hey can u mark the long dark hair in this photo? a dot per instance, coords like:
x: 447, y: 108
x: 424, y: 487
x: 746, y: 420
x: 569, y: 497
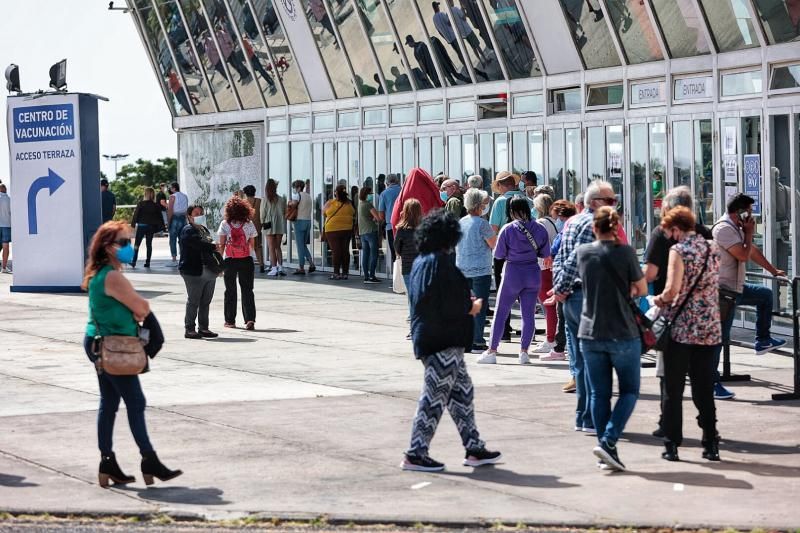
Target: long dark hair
x: 272, y: 190
x: 341, y: 194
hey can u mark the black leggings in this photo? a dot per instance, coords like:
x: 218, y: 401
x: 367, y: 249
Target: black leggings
x: 144, y: 231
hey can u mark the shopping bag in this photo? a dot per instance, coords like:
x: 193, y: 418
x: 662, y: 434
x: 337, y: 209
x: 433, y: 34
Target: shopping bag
x: 398, y: 284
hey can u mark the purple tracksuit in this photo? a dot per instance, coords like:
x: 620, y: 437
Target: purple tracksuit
x: 521, y: 277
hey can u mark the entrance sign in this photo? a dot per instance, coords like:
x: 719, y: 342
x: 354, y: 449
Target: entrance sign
x: 693, y: 88
x: 55, y: 191
x: 752, y: 180
x: 647, y: 93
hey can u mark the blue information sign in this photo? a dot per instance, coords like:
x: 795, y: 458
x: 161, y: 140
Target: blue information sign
x: 44, y: 123
x: 752, y: 180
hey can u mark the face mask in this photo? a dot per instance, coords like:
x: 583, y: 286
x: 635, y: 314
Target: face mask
x: 125, y: 254
x: 559, y: 224
x: 443, y: 196
x: 370, y: 197
x: 200, y: 220
x: 522, y: 186
x: 485, y: 210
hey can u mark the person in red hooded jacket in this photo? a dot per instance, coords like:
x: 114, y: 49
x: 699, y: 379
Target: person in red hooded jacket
x: 418, y: 184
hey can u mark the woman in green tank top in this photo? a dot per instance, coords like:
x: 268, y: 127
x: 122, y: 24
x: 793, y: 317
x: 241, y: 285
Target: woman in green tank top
x: 116, y: 309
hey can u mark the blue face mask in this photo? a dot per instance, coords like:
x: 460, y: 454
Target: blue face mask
x: 559, y: 224
x: 443, y: 196
x: 125, y: 254
x: 370, y: 197
x: 522, y: 186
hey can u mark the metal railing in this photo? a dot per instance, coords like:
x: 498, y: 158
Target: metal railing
x: 794, y: 316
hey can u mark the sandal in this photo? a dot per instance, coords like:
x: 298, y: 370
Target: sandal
x: 230, y: 325
x: 334, y: 277
x: 250, y: 326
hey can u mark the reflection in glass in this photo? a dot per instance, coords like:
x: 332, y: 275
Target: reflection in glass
x: 658, y: 165
x: 256, y: 52
x: 632, y: 24
x: 408, y: 155
x: 468, y: 156
x: 682, y: 27
x: 501, y: 151
x: 597, y: 152
x: 213, y: 61
x: 437, y: 155
x: 382, y: 37
x: 615, y: 149
x: 396, y: 156
x: 469, y: 21
x: 638, y: 139
x: 447, y: 53
x: 781, y: 19
x: 606, y: 96
x: 509, y: 31
x: 332, y: 54
x: 787, y: 77
x: 425, y: 158
x: 167, y: 74
x: 567, y: 100
x: 573, y: 162
x: 486, y: 167
x: 412, y: 38
x: 536, y: 152
x: 730, y: 24
x: 262, y: 14
x: 704, y: 171
x: 519, y: 152
x: 555, y: 158
x: 368, y: 163
x: 682, y: 153
x: 454, y: 155
x: 591, y: 33
x: 355, y: 44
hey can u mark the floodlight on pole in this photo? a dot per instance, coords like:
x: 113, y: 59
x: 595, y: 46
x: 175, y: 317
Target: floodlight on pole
x: 116, y: 158
x: 58, y: 76
x: 12, y: 79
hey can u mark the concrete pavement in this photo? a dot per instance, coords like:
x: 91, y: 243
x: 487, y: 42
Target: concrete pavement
x: 309, y: 415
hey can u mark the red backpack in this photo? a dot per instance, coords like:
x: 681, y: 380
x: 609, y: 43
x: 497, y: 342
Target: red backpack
x: 236, y: 247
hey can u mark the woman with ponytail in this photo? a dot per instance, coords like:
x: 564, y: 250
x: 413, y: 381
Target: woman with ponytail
x: 608, y: 333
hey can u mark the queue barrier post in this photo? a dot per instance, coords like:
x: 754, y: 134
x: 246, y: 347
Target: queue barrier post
x: 795, y: 394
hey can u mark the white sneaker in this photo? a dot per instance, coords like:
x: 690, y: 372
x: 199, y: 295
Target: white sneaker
x: 173, y: 263
x: 524, y: 359
x: 489, y: 357
x: 545, y: 347
x: 6, y: 271
x: 553, y: 356
x: 273, y: 272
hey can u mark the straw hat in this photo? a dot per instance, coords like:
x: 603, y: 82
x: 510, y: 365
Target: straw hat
x: 504, y: 175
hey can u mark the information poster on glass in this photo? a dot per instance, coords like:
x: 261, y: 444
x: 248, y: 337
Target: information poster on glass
x: 752, y: 180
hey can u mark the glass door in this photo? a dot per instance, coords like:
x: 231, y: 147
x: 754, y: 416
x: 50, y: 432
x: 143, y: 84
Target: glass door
x: 492, y: 156
x: 278, y: 169
x: 300, y: 170
x: 375, y: 170
x: 641, y: 213
x: 322, y: 186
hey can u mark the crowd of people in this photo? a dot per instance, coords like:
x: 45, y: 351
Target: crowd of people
x: 571, y: 260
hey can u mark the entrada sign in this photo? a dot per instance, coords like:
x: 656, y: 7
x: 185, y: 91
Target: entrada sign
x: 694, y: 88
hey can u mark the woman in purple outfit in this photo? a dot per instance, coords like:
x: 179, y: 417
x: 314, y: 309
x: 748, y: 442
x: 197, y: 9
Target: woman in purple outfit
x: 521, y: 243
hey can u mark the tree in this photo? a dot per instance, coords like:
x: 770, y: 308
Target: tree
x: 134, y: 177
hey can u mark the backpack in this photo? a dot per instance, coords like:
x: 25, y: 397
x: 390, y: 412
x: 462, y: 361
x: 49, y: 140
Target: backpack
x: 236, y: 247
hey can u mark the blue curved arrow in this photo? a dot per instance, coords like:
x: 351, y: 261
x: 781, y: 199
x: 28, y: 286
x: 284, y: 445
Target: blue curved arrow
x: 52, y: 182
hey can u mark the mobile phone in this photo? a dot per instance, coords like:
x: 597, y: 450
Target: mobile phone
x: 744, y: 214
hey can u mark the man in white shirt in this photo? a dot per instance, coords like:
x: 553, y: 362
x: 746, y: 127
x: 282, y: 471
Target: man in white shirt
x: 176, y: 215
x: 5, y: 226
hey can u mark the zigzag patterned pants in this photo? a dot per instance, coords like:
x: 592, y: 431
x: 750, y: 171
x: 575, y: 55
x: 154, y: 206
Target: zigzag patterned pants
x: 447, y: 385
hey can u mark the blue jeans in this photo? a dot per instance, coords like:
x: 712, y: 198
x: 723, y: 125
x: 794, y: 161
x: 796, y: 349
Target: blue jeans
x: 601, y: 357
x: 175, y: 226
x: 112, y: 388
x: 572, y: 313
x: 758, y: 296
x: 301, y: 234
x: 369, y: 254
x: 480, y: 288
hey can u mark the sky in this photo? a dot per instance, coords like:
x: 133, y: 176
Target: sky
x: 105, y: 56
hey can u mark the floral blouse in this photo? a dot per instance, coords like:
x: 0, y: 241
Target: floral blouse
x: 699, y: 322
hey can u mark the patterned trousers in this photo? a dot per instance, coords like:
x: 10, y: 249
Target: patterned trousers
x: 447, y: 385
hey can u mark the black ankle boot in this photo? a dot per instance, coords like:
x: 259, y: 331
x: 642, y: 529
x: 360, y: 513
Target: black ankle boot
x: 711, y: 450
x: 152, y: 467
x: 670, y: 452
x: 109, y: 469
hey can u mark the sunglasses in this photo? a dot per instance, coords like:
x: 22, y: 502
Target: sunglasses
x: 122, y: 243
x: 608, y: 200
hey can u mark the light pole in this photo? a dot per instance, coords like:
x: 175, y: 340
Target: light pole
x: 115, y: 158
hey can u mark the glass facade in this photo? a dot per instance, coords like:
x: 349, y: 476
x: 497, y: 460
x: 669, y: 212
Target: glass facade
x: 444, y: 42
x: 331, y: 50
x: 731, y: 25
x: 780, y: 19
x: 636, y: 34
x: 590, y: 31
x: 682, y: 27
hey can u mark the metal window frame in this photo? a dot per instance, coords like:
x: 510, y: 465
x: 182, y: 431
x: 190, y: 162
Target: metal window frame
x: 740, y: 70
x: 365, y: 110
x: 429, y: 103
x: 319, y: 114
x: 771, y: 69
x: 521, y: 114
x: 473, y: 118
x: 605, y: 107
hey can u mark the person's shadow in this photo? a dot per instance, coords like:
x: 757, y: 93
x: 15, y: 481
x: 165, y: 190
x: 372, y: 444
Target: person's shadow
x: 492, y: 474
x: 696, y: 479
x: 194, y: 496
x: 10, y: 480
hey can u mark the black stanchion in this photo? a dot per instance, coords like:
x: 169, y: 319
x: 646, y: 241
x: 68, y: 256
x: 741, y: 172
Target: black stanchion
x: 795, y: 394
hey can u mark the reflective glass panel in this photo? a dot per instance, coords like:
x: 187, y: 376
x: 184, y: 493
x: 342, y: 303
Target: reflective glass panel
x: 431, y: 112
x: 573, y: 162
x: 486, y: 167
x: 591, y: 33
x: 300, y: 170
x: 519, y: 152
x: 299, y: 124
x: 536, y: 152
x: 658, y: 165
x: 396, y: 156
x: 368, y: 163
x: 468, y: 20
x: 787, y: 77
x: 632, y: 24
x: 231, y: 55
x: 375, y: 117
x: 682, y: 153
x: 596, y: 142
x: 555, y: 158
x: 255, y: 53
x: 278, y: 125
x: 461, y: 110
x: 741, y: 83
x: 528, y: 104
x: 567, y: 100
x: 468, y: 156
x: 781, y: 19
x: 615, y: 150
x: 348, y: 119
x: 402, y: 115
x: 437, y: 155
x: 682, y: 27
x: 167, y: 73
x: 454, y: 155
x: 412, y: 38
x: 408, y: 155
x: 443, y: 42
x: 346, y: 17
x: 509, y: 31
x: 331, y: 51
x: 425, y: 160
x: 324, y: 121
x: 382, y: 37
x: 607, y: 96
x: 704, y: 171
x: 730, y: 24
x: 342, y: 170
x: 287, y: 71
x: 638, y: 140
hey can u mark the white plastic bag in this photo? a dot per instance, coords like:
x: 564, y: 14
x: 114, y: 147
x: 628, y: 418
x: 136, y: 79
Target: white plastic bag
x: 398, y: 283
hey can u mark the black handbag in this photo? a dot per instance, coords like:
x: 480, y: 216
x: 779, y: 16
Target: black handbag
x: 213, y: 260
